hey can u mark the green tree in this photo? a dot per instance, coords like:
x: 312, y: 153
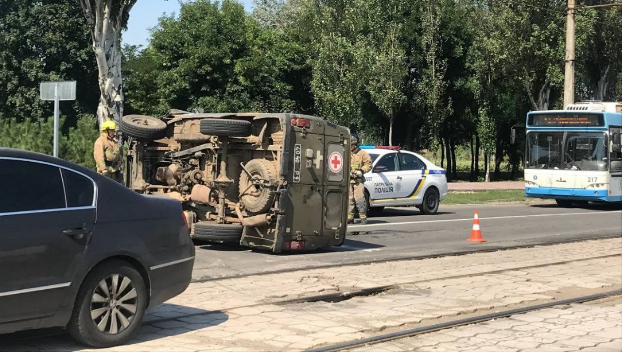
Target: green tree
x: 43, y: 41
x: 215, y: 57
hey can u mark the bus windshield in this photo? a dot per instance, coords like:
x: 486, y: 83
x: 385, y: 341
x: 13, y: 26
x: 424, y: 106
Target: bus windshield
x: 585, y: 151
x: 544, y: 150
x: 567, y: 151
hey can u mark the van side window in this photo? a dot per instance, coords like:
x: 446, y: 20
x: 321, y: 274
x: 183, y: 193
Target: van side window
x: 29, y: 186
x: 79, y: 190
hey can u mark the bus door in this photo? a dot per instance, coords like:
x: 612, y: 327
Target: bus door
x: 615, y: 163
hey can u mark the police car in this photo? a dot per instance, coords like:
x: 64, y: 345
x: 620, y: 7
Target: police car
x: 402, y: 178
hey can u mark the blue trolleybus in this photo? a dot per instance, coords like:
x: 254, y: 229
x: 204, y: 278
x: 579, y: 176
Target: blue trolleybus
x: 574, y: 155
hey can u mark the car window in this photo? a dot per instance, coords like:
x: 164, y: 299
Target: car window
x: 373, y: 157
x: 79, y: 190
x: 410, y: 162
x: 389, y: 161
x: 28, y: 186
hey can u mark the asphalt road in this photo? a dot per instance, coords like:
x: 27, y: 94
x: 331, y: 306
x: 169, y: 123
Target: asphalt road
x: 401, y: 232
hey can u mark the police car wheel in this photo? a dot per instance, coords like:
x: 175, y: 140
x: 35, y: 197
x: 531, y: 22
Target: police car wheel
x: 375, y: 210
x: 110, y: 305
x: 430, y: 202
x: 142, y: 127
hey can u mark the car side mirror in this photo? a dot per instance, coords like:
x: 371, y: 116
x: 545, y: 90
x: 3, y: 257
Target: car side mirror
x: 380, y: 168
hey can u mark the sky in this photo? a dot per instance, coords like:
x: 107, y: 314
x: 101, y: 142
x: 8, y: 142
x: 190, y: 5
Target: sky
x: 145, y: 15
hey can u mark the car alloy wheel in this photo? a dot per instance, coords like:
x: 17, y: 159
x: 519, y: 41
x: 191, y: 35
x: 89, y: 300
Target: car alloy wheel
x: 110, y: 305
x: 114, y: 304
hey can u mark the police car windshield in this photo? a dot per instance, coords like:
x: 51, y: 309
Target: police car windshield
x: 373, y: 157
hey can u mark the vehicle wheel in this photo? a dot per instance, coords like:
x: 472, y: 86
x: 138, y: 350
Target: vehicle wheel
x: 221, y: 233
x: 257, y: 198
x: 225, y: 128
x: 110, y: 305
x: 375, y: 211
x: 142, y: 127
x: 430, y: 202
x: 565, y: 203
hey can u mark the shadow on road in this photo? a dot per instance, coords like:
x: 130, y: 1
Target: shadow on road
x: 403, y: 212
x: 159, y: 323
x: 221, y: 247
x: 590, y: 206
x: 351, y: 245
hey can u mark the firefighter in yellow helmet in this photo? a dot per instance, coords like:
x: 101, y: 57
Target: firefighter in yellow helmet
x: 360, y: 164
x: 106, y: 152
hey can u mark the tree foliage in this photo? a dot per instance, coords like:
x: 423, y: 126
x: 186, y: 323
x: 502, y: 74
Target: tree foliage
x: 447, y: 75
x: 44, y: 41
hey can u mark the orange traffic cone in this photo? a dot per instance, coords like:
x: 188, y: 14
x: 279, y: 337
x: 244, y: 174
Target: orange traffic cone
x: 476, y: 232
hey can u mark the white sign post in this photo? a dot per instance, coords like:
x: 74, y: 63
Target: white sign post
x: 57, y: 91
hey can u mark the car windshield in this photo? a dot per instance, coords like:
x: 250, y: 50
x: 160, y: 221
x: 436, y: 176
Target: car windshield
x: 373, y: 157
x: 581, y: 150
x: 544, y: 150
x: 585, y: 151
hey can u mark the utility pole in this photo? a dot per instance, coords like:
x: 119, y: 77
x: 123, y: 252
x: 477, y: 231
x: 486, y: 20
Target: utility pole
x: 570, y: 57
x: 569, y: 60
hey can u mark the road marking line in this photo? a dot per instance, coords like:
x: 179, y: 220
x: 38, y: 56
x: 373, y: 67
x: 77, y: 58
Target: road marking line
x: 488, y: 218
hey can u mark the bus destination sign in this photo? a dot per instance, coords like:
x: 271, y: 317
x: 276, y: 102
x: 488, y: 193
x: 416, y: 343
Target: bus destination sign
x: 566, y: 120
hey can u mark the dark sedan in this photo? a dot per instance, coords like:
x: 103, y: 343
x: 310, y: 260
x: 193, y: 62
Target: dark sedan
x: 80, y: 251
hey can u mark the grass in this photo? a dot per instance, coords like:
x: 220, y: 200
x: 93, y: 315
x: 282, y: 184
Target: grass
x: 485, y: 197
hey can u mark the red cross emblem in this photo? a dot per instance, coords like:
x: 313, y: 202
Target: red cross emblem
x: 336, y: 162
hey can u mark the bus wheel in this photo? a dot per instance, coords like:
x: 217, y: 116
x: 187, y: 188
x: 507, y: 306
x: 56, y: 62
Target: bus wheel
x: 565, y: 203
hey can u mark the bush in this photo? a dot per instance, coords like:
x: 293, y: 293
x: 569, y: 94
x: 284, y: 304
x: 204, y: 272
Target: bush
x: 37, y: 135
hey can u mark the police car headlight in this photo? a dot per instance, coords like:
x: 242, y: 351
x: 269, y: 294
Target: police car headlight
x: 597, y: 185
x: 531, y: 184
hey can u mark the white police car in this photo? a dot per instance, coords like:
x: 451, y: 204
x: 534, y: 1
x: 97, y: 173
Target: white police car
x: 402, y: 178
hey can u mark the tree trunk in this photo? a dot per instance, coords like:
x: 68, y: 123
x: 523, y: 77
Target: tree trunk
x: 449, y: 163
x: 409, y: 135
x: 453, y: 160
x: 487, y: 166
x: 601, y: 89
x: 498, y: 160
x: 544, y: 97
x: 477, y: 148
x: 472, y: 174
x: 442, y: 153
x: 391, y: 120
x: 110, y: 82
x: 106, y: 20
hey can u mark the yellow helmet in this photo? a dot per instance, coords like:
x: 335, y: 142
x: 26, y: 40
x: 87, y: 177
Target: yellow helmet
x: 108, y: 125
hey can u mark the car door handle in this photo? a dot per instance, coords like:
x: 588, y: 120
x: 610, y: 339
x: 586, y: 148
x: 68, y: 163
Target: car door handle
x: 77, y: 233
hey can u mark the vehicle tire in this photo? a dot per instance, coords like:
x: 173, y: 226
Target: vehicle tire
x: 375, y: 211
x: 142, y: 127
x: 102, y: 317
x: 564, y: 203
x: 257, y: 199
x: 430, y: 202
x: 221, y: 233
x: 225, y: 127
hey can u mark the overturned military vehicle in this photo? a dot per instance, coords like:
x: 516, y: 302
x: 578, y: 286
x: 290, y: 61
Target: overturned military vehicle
x: 277, y: 182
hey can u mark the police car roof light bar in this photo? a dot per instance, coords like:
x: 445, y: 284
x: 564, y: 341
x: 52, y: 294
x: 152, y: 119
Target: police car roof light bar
x: 380, y: 147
